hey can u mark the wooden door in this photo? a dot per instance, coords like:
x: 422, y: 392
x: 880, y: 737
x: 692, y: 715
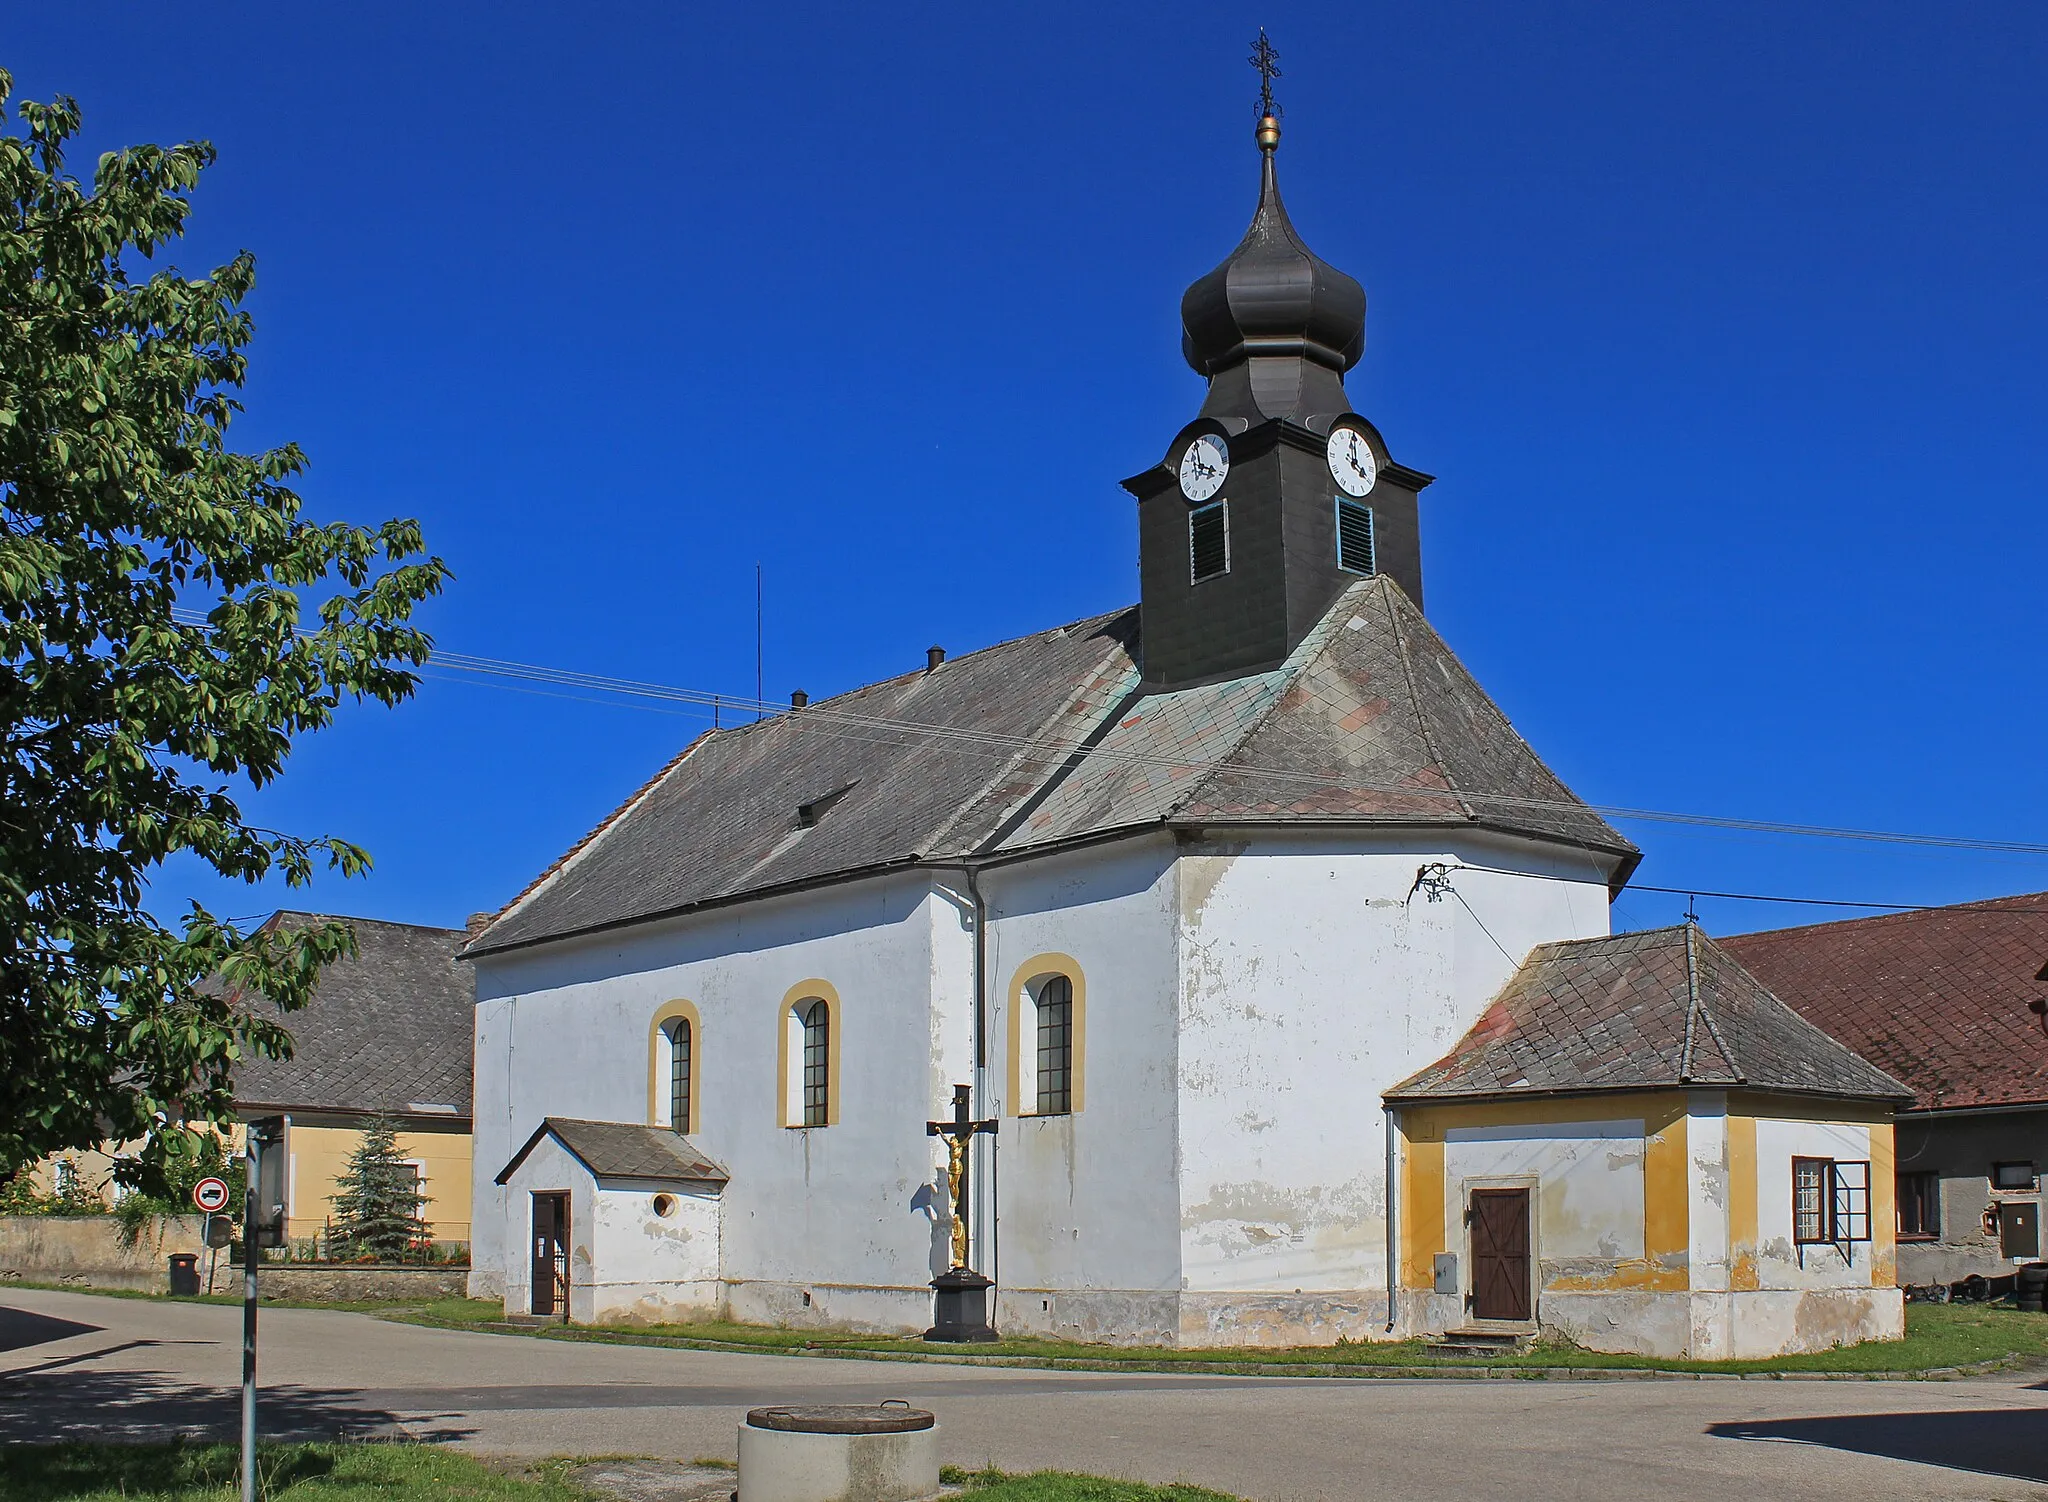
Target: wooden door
x: 551, y: 1255
x: 1500, y: 1254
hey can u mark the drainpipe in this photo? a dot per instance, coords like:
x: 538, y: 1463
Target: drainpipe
x: 992, y: 1249
x: 1392, y: 1217
x: 979, y: 904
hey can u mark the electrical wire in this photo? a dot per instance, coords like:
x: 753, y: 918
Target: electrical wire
x: 897, y: 730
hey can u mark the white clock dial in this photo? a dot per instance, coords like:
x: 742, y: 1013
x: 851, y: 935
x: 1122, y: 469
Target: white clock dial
x: 1203, y: 466
x: 1351, y: 461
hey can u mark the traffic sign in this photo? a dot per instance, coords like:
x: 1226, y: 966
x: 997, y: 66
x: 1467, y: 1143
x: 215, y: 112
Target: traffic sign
x: 210, y: 1195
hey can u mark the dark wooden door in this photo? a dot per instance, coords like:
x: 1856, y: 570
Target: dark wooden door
x: 1500, y: 1254
x: 551, y: 1254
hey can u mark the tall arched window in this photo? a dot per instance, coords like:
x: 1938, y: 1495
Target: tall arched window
x: 681, y: 1058
x: 1054, y: 1095
x: 675, y: 1047
x: 815, y: 1017
x: 1048, y: 1033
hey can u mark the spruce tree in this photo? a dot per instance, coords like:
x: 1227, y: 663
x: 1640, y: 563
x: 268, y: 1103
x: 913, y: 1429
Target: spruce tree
x: 377, y: 1202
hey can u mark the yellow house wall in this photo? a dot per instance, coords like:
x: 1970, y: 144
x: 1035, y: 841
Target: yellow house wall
x: 319, y: 1154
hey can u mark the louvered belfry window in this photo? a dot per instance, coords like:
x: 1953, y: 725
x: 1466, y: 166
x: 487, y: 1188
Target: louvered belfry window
x: 1209, y: 541
x: 1354, y: 537
x: 1055, y: 1094
x: 817, y: 1024
x: 679, y: 1074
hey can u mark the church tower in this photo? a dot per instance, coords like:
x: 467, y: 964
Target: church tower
x: 1277, y: 496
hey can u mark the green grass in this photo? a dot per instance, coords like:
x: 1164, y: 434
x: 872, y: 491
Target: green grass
x: 290, y: 1473
x: 1937, y: 1336
x: 1063, y: 1486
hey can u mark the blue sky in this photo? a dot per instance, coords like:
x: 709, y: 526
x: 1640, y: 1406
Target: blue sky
x: 1722, y: 325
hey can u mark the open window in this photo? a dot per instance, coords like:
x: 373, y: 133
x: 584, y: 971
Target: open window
x: 1830, y: 1204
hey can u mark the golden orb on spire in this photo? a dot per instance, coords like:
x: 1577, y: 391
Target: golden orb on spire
x: 1268, y: 133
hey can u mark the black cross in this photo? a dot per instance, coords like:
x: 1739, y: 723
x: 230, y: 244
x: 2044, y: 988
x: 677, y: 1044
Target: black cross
x: 1266, y: 58
x: 960, y: 1130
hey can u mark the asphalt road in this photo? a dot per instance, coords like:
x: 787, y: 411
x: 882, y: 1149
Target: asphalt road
x: 75, y: 1365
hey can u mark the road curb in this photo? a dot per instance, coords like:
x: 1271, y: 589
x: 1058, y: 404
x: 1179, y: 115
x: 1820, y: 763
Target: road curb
x: 1319, y: 1369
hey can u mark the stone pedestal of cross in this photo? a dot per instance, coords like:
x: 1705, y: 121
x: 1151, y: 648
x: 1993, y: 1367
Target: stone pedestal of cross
x: 960, y: 1294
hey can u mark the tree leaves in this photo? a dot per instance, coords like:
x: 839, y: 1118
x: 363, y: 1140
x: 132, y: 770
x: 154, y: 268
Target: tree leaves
x: 170, y: 622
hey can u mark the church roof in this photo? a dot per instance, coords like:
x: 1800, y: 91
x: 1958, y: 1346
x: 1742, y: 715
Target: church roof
x: 1052, y: 739
x: 1941, y: 998
x: 623, y: 1150
x: 1642, y: 1011
x: 389, y: 1030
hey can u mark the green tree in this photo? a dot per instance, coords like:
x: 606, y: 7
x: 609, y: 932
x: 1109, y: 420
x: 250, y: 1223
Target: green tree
x: 169, y: 624
x: 377, y: 1202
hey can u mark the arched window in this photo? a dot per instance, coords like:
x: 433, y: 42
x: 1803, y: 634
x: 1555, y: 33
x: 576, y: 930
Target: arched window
x: 808, y: 1055
x: 1048, y: 1030
x: 816, y: 1020
x: 680, y: 1061
x: 675, y: 1049
x: 1054, y: 1005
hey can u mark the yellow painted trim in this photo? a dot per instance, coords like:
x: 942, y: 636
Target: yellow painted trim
x: 657, y: 1077
x: 1808, y: 1108
x: 1667, y: 1207
x: 809, y: 990
x: 1884, y: 1208
x: 1036, y: 968
x: 1422, y: 1204
x: 1743, y: 1276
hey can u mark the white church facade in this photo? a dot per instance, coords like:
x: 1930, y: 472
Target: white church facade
x: 1179, y: 892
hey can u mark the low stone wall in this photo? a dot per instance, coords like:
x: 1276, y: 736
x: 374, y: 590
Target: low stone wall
x: 87, y: 1251
x: 339, y: 1283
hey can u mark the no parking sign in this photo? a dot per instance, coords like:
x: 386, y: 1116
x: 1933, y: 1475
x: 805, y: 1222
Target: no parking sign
x: 210, y: 1195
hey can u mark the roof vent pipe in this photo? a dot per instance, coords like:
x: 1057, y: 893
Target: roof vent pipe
x: 933, y: 656
x: 798, y: 698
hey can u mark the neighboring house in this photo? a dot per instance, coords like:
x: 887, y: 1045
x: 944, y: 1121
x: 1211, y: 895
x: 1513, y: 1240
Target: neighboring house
x: 387, y: 1033
x: 1640, y: 1147
x: 1949, y: 1000
x: 1177, y: 890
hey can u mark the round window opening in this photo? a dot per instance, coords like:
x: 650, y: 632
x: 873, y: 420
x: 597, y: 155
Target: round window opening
x: 664, y: 1205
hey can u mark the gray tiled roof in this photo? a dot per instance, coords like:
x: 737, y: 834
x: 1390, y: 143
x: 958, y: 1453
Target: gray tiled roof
x: 623, y: 1150
x: 1050, y: 739
x: 389, y: 1031
x: 1664, y: 1007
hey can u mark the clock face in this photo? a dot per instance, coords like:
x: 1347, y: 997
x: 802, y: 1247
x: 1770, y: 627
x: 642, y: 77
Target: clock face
x: 1351, y: 461
x: 1203, y: 466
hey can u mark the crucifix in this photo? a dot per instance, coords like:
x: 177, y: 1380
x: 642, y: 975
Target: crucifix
x: 961, y: 1294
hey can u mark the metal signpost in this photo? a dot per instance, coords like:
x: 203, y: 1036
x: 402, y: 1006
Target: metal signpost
x: 262, y: 1225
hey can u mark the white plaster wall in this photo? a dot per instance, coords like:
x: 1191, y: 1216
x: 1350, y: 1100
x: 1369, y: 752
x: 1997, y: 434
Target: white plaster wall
x: 1089, y: 1217
x: 652, y: 1267
x: 491, y: 1148
x: 1314, y: 976
x: 832, y: 1212
x: 1588, y: 1180
x: 1779, y: 1262
x: 548, y: 1169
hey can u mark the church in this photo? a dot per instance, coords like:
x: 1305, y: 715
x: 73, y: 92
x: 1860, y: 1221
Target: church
x: 1260, y: 949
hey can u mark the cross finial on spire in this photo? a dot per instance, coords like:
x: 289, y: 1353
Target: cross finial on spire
x: 1266, y: 58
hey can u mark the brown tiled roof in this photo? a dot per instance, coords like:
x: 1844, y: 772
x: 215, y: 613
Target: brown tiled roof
x: 623, y: 1150
x: 389, y: 1031
x: 1052, y: 738
x: 1642, y: 1011
x: 1937, y: 998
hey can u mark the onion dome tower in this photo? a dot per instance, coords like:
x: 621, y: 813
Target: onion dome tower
x: 1277, y: 496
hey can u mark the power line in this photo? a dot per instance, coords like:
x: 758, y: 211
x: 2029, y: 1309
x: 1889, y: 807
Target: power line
x: 895, y: 730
